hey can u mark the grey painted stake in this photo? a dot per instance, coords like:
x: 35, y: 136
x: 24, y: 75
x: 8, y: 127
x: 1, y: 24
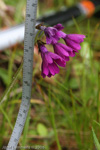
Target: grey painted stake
x: 27, y: 73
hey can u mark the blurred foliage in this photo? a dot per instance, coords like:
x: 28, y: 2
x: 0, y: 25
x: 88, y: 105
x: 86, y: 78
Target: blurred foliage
x: 64, y: 107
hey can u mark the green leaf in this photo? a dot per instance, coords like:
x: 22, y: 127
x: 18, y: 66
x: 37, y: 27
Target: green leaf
x: 73, y: 83
x: 4, y: 75
x: 96, y: 140
x: 97, y: 123
x: 42, y: 130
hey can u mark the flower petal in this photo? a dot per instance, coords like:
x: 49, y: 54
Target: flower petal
x: 60, y: 51
x: 43, y: 75
x: 48, y: 58
x: 61, y: 34
x: 67, y: 48
x: 72, y: 54
x: 78, y: 38
x: 61, y: 62
x: 53, y: 68
x: 50, y: 31
x: 53, y: 39
x: 45, y: 70
x: 59, y: 27
x: 56, y: 68
x: 42, y: 48
x: 72, y: 44
x: 48, y: 40
x: 49, y: 75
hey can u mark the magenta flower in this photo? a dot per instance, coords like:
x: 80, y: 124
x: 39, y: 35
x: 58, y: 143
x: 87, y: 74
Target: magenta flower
x: 50, y: 62
x: 52, y: 33
x: 73, y: 40
x: 58, y: 26
x: 63, y: 51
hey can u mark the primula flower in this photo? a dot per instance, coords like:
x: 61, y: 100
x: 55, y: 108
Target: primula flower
x: 52, y: 33
x: 58, y: 26
x: 50, y: 61
x: 63, y: 51
x: 72, y: 40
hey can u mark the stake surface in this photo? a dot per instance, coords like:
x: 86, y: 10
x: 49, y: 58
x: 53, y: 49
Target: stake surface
x: 30, y: 22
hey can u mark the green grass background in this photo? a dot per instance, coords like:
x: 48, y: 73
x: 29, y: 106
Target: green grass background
x: 64, y: 108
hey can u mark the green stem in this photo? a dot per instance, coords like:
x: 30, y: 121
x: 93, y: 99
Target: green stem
x: 4, y: 97
x: 10, y: 67
x: 6, y: 116
x: 54, y: 125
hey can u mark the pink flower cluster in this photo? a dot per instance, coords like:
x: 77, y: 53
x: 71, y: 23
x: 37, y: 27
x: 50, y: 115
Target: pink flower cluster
x: 62, y: 52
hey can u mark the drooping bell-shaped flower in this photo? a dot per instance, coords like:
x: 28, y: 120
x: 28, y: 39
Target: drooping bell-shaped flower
x: 64, y: 51
x: 73, y: 40
x: 50, y: 61
x: 52, y: 33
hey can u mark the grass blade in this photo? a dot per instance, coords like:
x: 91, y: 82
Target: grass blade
x: 96, y: 140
